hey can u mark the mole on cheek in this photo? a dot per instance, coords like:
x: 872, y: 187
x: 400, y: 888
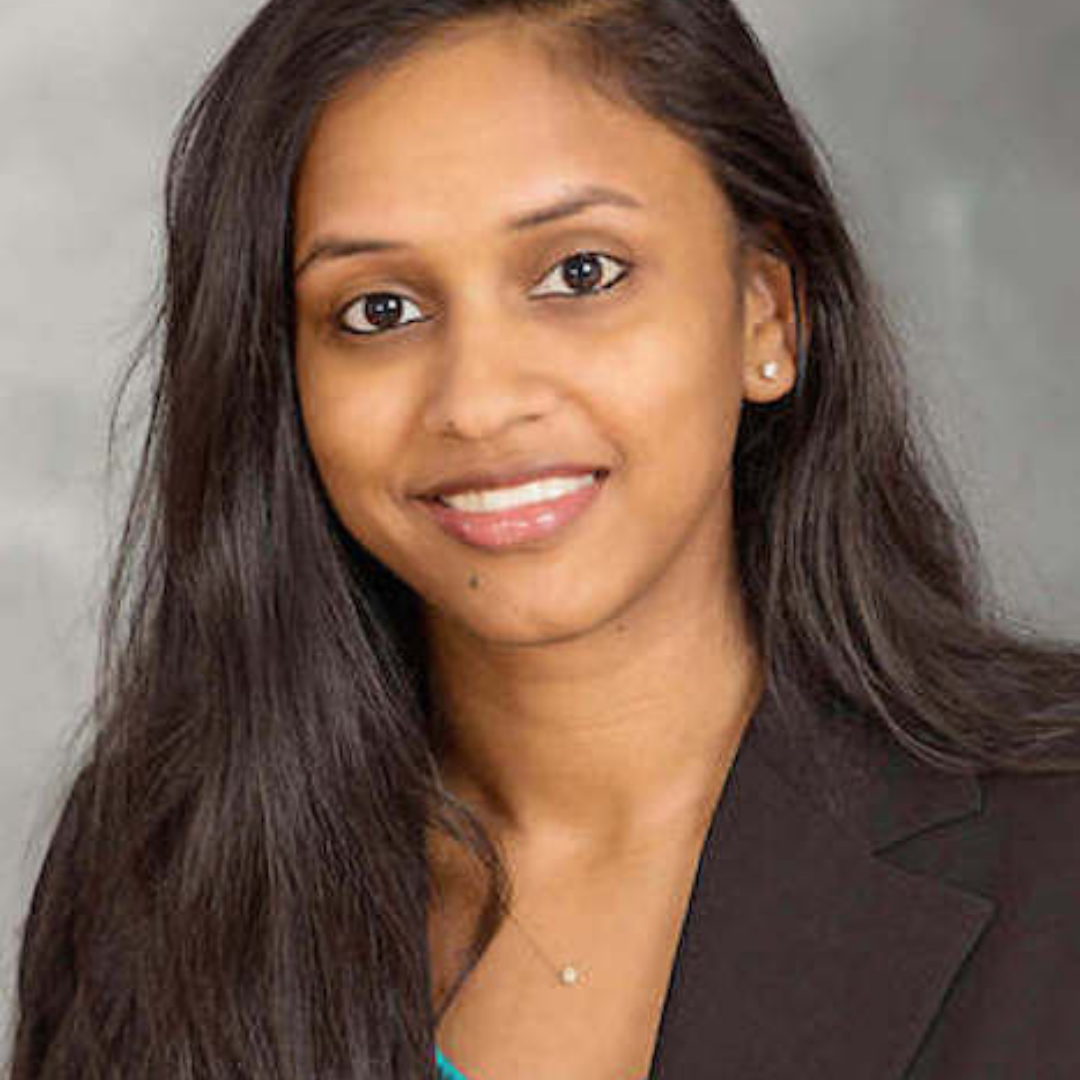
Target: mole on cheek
x: 474, y: 581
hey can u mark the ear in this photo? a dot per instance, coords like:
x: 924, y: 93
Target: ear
x: 769, y: 325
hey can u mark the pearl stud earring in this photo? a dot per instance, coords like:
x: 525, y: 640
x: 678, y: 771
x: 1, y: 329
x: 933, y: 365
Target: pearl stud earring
x: 771, y: 370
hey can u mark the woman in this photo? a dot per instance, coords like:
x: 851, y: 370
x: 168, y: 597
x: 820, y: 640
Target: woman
x: 543, y: 641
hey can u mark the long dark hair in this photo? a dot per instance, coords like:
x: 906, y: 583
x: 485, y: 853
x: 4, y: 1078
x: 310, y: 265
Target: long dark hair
x: 238, y: 885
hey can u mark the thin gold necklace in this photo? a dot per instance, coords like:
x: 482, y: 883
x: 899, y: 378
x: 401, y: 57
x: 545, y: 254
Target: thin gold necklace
x: 567, y: 974
x: 572, y: 974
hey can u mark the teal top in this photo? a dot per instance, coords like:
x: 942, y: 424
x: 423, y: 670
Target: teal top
x: 448, y: 1070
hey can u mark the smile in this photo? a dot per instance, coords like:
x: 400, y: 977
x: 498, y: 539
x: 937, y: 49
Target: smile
x: 507, y: 517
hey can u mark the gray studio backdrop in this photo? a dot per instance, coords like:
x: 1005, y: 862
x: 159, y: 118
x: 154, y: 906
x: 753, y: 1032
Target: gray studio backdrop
x: 952, y: 135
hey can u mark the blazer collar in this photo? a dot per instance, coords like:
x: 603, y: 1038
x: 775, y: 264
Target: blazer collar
x: 803, y: 952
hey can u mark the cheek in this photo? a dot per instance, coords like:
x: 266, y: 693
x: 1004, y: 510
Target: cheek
x: 678, y: 408
x: 679, y: 381
x: 326, y: 422
x: 348, y: 429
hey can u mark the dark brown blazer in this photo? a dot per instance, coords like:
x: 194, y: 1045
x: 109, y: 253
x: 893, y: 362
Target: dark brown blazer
x: 858, y: 915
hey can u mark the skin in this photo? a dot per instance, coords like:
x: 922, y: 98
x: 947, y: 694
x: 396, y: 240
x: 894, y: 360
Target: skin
x: 596, y: 686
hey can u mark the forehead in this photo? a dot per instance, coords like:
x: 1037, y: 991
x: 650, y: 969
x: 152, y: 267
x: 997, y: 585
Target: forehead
x: 461, y: 136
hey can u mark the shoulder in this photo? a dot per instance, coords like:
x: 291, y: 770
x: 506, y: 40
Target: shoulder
x: 1020, y: 849
x: 1014, y: 1002
x: 1012, y: 1007
x: 1032, y: 828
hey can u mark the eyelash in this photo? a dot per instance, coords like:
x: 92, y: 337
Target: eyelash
x: 599, y: 290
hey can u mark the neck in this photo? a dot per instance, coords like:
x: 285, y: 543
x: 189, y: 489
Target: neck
x: 607, y: 742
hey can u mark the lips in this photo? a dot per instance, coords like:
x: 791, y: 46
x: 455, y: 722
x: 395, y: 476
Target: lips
x: 516, y: 526
x: 505, y: 476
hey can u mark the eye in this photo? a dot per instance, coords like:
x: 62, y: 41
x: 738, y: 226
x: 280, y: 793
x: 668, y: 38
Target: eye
x: 381, y: 310
x: 586, y: 268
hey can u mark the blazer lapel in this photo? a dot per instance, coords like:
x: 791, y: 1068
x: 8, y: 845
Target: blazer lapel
x: 804, y: 953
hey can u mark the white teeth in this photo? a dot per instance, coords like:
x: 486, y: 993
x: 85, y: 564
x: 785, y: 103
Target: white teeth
x: 485, y: 502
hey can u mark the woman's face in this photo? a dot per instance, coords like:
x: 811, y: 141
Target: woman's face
x: 472, y: 346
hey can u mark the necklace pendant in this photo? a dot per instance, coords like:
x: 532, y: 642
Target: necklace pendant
x: 569, y: 975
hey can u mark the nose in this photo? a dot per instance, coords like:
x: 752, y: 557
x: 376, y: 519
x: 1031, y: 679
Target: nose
x: 485, y: 380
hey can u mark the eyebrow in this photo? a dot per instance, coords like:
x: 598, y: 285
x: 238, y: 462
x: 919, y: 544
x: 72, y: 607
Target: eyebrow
x: 574, y: 201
